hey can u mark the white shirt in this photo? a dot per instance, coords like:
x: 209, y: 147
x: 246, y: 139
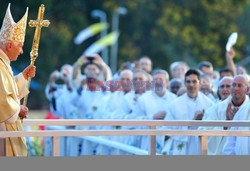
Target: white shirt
x: 112, y: 105
x: 184, y: 108
x: 127, y: 105
x: 150, y: 103
x: 218, y: 112
x: 64, y: 108
x: 239, y: 145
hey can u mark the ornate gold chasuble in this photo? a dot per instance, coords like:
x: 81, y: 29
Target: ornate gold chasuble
x: 10, y: 96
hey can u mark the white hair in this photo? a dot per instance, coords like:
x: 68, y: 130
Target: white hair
x: 161, y: 71
x: 178, y: 63
x: 226, y: 78
x: 126, y: 71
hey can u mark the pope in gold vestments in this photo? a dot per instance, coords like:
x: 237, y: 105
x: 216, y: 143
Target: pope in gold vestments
x: 12, y: 89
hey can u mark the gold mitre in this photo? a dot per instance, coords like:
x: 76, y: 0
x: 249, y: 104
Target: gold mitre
x: 12, y: 31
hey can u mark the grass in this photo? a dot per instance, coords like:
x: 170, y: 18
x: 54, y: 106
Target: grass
x: 37, y: 114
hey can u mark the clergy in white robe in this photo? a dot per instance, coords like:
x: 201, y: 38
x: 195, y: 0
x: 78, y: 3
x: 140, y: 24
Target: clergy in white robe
x: 59, y: 95
x: 128, y: 104
x: 223, y: 111
x: 239, y: 145
x: 111, y: 109
x: 53, y: 91
x: 154, y: 105
x: 87, y: 100
x: 130, y: 100
x: 189, y: 106
x: 218, y: 112
x: 64, y: 110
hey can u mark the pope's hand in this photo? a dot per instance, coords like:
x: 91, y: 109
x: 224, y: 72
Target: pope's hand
x: 23, y: 112
x: 29, y: 72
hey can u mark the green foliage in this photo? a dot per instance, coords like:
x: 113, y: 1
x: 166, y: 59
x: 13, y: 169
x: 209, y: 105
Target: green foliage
x: 35, y: 147
x: 167, y: 31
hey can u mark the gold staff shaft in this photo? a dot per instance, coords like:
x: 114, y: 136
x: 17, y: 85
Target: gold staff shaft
x: 39, y: 23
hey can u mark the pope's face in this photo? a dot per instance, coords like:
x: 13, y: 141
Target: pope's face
x: 14, y: 49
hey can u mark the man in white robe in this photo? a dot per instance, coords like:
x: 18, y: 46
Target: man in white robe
x: 225, y: 110
x: 130, y: 100
x: 154, y: 104
x: 53, y: 91
x: 87, y: 100
x: 113, y: 101
x: 128, y: 104
x: 239, y: 145
x: 109, y: 108
x: 190, y: 106
x: 60, y: 96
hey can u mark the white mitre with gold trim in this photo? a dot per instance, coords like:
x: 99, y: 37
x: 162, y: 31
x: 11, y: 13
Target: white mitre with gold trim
x: 12, y: 31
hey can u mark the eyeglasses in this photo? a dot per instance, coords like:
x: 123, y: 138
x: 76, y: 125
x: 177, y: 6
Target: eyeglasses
x: 192, y: 81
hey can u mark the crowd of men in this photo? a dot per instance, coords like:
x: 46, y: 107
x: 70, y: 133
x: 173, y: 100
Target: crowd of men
x: 88, y: 90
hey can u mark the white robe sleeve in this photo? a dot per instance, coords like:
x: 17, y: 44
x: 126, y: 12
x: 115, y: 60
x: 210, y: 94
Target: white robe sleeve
x: 210, y: 114
x: 140, y: 111
x: 229, y: 147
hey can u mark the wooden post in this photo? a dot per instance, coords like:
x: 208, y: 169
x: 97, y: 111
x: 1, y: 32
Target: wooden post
x: 204, y: 145
x: 2, y: 147
x: 153, y: 143
x: 56, y: 145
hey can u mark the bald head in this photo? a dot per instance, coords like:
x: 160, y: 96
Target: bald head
x: 244, y: 79
x: 239, y: 88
